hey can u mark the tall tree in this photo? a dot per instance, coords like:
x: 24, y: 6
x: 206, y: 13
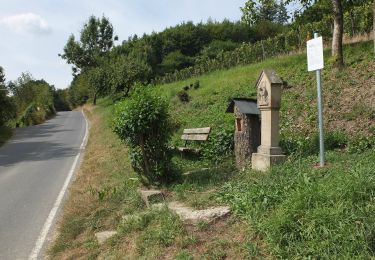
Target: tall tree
x: 125, y: 72
x: 96, y: 39
x: 7, y: 108
x: 282, y: 14
x: 2, y: 77
x: 255, y: 12
x: 3, y: 97
x: 98, y: 80
x: 338, y: 28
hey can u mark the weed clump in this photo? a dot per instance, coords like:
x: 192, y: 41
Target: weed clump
x: 196, y: 84
x: 183, y: 96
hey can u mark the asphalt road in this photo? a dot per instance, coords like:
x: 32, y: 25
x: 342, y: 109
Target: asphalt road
x: 34, y: 165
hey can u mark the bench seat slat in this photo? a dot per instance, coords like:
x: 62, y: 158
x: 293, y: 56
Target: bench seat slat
x: 185, y: 149
x: 204, y: 130
x: 195, y: 137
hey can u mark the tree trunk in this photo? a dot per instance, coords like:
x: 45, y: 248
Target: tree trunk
x: 338, y: 31
x: 94, y: 101
x: 352, y: 21
x: 146, y: 164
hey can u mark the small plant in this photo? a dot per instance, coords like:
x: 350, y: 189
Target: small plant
x: 137, y: 222
x: 335, y: 139
x: 361, y: 143
x: 186, y: 88
x: 196, y: 84
x: 143, y: 123
x: 219, y: 145
x: 184, y: 255
x: 161, y: 231
x: 299, y: 145
x: 183, y: 96
x: 203, y: 225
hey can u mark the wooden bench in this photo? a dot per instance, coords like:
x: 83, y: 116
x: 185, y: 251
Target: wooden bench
x: 194, y: 134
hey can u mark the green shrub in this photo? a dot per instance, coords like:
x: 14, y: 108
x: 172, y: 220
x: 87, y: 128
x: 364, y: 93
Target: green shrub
x: 35, y: 114
x: 143, y: 123
x: 183, y: 96
x: 7, y: 107
x: 335, y: 139
x: 299, y: 145
x: 184, y: 255
x: 196, y: 84
x: 361, y: 143
x: 219, y: 145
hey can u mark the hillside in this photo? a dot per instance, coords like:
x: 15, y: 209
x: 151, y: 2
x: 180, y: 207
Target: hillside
x: 349, y: 95
x: 294, y: 210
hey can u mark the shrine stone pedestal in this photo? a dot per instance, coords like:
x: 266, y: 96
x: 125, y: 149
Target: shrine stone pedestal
x: 269, y: 96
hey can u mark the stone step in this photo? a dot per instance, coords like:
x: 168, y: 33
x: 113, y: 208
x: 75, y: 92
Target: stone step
x: 195, y: 216
x: 104, y: 236
x: 151, y: 196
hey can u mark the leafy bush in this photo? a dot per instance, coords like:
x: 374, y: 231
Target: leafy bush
x: 361, y: 143
x: 7, y: 108
x: 175, y: 61
x: 300, y: 145
x: 335, y: 139
x: 307, y: 145
x: 143, y: 123
x: 219, y: 145
x: 196, y: 84
x: 183, y: 96
x: 34, y: 115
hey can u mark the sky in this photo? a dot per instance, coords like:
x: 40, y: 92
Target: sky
x: 34, y: 32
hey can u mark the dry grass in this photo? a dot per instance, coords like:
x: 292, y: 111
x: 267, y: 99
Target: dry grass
x: 94, y: 202
x: 357, y: 38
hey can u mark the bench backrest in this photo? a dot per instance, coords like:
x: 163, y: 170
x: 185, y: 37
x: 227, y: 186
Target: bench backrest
x: 196, y: 134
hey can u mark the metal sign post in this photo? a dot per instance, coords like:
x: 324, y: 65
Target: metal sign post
x: 315, y: 62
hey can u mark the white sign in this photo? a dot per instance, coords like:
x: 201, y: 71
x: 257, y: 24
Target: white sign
x: 315, y: 59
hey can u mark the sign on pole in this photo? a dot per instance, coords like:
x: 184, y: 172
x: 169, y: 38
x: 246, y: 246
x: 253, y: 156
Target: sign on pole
x: 315, y: 54
x: 315, y: 61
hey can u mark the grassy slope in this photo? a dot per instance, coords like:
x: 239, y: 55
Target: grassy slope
x: 293, y: 210
x: 351, y: 88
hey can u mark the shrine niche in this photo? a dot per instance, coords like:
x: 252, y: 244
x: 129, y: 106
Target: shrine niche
x: 247, y: 132
x: 263, y: 94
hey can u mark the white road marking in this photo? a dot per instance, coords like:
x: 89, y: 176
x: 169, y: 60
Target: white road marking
x: 47, y: 225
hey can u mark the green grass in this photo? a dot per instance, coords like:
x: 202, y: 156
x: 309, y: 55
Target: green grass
x: 5, y: 134
x: 342, y: 92
x: 300, y: 211
x: 297, y: 210
x: 293, y: 211
x: 348, y: 117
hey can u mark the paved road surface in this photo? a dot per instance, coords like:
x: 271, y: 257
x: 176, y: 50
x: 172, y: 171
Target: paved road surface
x: 33, y: 167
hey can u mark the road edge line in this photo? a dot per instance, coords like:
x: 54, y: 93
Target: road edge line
x: 48, y: 223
